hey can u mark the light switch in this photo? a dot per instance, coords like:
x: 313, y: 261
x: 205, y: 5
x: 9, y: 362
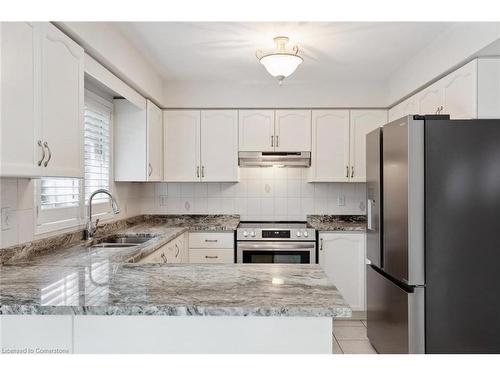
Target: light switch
x: 6, y: 213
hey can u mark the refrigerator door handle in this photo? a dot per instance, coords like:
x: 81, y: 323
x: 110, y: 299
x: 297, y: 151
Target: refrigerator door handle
x: 369, y: 206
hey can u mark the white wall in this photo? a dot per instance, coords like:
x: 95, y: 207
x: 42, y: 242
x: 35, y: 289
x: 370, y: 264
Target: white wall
x: 189, y: 94
x: 18, y: 195
x: 448, y: 51
x: 261, y: 194
x: 105, y: 43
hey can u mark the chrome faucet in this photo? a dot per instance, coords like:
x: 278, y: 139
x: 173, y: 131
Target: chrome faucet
x: 91, y: 228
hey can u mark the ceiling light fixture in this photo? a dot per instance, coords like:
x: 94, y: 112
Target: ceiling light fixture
x: 280, y: 63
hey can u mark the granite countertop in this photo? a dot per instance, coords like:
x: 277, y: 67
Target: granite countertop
x: 70, y: 248
x: 336, y: 223
x: 64, y: 275
x: 105, y: 288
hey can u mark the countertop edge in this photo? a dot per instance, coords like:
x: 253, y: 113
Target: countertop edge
x: 176, y: 310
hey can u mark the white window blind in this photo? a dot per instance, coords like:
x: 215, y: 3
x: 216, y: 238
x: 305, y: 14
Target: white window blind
x: 97, y: 146
x: 58, y: 202
x: 59, y: 192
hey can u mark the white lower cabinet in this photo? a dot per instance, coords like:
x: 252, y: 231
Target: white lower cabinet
x: 206, y: 247
x: 36, y: 334
x: 342, y: 257
x: 174, y: 251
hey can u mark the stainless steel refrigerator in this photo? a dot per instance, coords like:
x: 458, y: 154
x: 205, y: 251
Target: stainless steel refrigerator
x: 433, y: 236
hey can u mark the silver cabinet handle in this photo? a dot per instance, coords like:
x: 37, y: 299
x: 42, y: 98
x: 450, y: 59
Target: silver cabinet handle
x: 321, y: 244
x: 210, y: 240
x: 50, y: 154
x: 439, y: 109
x: 198, y: 171
x: 43, y: 153
x: 178, y: 251
x: 346, y: 171
x: 202, y: 171
x: 211, y: 256
x: 352, y: 171
x: 272, y: 141
x: 277, y: 141
x: 150, y: 169
x: 164, y: 258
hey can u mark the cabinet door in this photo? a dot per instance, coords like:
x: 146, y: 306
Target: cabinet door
x: 409, y: 106
x: 219, y: 145
x: 460, y: 92
x: 256, y: 130
x: 405, y: 108
x: 62, y: 103
x: 293, y: 130
x: 181, y: 142
x: 342, y: 257
x: 361, y: 123
x: 330, y: 146
x: 19, y: 110
x: 154, y: 142
x: 430, y: 100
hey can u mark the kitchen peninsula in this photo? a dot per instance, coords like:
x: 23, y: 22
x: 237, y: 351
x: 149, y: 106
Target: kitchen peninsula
x: 85, y: 299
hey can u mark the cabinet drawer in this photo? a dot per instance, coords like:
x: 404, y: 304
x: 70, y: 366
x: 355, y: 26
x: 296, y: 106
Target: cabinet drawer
x: 211, y: 256
x: 211, y: 240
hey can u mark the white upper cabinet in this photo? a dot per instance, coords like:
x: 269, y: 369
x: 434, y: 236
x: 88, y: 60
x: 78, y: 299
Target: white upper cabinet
x: 138, y: 141
x: 430, y: 100
x: 42, y: 88
x: 330, y: 146
x: 488, y: 88
x: 62, y: 103
x: 256, y: 130
x: 181, y: 145
x: 20, y: 124
x: 219, y: 145
x: 154, y: 121
x: 362, y: 122
x: 292, y: 130
x: 472, y: 91
x: 342, y: 257
x: 201, y: 146
x: 460, y: 92
x: 406, y: 107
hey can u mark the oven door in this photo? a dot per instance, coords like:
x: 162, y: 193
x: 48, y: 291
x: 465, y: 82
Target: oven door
x: 276, y: 252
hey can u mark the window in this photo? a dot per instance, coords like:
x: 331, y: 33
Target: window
x: 58, y: 203
x: 61, y: 201
x: 97, y: 145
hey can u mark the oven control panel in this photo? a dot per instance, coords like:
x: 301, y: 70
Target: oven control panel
x: 299, y: 234
x: 275, y: 233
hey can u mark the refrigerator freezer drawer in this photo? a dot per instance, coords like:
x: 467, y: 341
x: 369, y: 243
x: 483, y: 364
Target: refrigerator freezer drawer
x: 395, y: 316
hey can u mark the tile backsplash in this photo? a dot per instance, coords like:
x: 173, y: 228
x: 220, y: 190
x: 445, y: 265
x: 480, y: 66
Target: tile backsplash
x: 261, y: 194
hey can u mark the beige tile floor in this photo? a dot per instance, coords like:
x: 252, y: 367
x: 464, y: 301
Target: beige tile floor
x: 349, y: 337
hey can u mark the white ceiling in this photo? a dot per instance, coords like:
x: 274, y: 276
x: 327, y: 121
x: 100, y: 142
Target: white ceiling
x: 334, y: 51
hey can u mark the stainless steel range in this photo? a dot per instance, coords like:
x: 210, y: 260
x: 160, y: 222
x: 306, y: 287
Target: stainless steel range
x: 275, y: 242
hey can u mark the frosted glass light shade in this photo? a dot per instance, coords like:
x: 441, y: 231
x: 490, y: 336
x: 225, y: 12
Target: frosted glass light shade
x: 281, y: 65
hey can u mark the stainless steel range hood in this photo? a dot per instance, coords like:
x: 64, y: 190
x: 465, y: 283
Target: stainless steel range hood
x: 271, y: 159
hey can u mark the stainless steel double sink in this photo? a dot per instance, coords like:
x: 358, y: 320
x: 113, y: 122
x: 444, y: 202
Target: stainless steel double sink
x: 123, y: 240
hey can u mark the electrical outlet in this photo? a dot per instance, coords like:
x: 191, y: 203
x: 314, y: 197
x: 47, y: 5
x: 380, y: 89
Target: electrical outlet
x: 6, y: 214
x: 341, y: 200
x: 163, y: 200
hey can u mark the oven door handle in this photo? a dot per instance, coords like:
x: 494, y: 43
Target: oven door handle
x: 266, y: 246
